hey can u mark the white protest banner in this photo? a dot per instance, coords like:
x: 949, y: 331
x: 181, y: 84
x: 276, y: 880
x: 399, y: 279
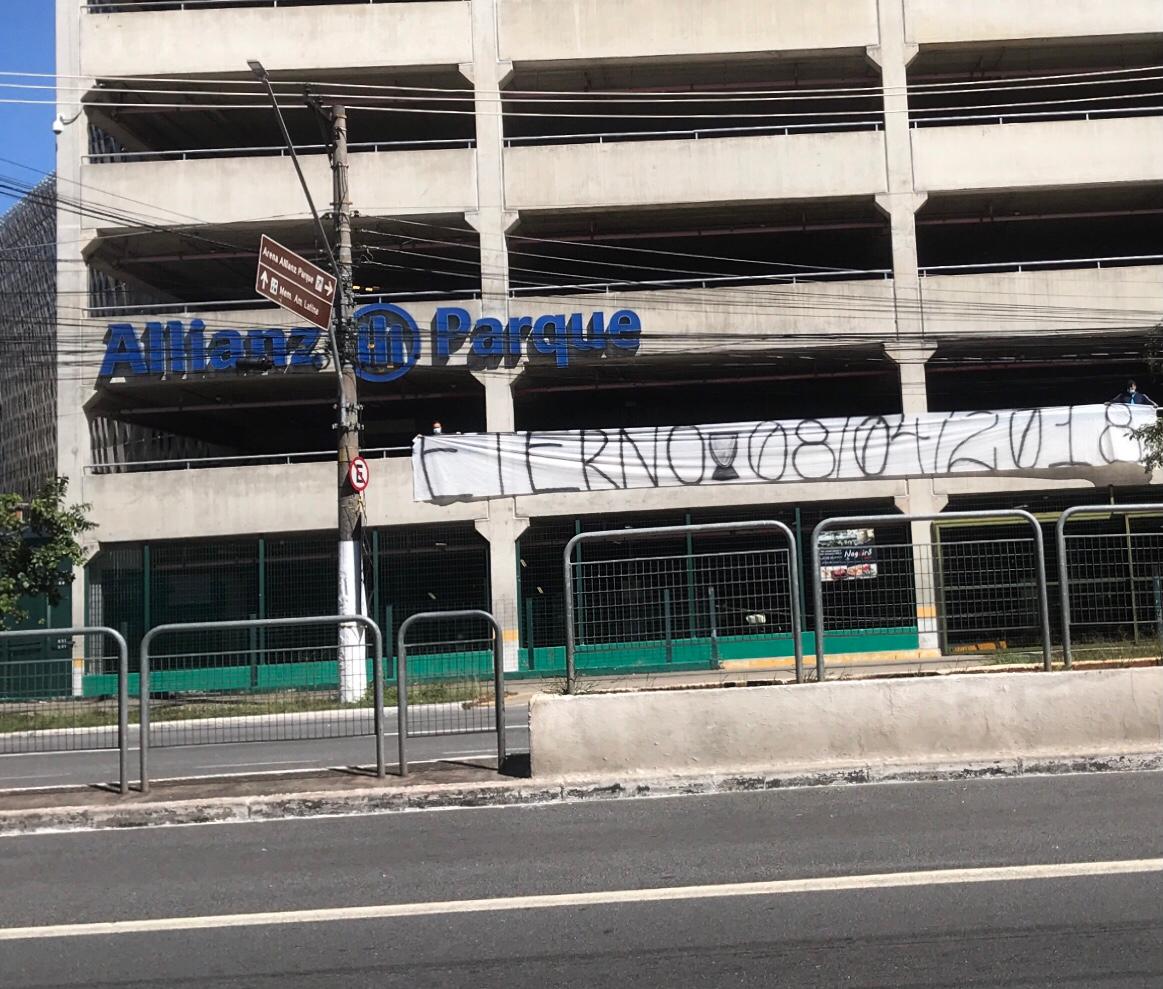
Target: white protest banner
x: 490, y: 465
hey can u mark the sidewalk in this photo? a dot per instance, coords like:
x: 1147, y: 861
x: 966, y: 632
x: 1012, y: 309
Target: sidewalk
x: 299, y: 794
x: 452, y: 783
x: 447, y: 786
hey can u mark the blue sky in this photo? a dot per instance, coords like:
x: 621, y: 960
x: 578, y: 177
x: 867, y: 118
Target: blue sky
x: 26, y: 45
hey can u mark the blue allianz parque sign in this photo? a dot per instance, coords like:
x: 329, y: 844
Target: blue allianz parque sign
x: 389, y: 342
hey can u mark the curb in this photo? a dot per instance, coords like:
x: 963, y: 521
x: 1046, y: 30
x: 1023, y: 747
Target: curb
x: 276, y: 807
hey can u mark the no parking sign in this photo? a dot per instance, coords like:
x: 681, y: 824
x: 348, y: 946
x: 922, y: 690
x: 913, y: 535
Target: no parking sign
x: 358, y: 474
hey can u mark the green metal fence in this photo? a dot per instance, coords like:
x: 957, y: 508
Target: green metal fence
x: 39, y: 669
x: 134, y: 587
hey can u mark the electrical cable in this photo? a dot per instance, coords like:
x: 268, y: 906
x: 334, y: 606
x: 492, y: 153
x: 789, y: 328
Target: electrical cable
x: 297, y: 85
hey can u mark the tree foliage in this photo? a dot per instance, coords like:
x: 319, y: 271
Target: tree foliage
x: 1151, y: 436
x: 35, y: 537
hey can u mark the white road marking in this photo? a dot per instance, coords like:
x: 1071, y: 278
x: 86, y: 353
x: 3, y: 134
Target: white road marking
x: 778, y: 887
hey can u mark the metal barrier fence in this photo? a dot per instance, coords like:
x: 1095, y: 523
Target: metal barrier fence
x: 264, y: 682
x: 683, y: 605
x: 53, y: 715
x: 935, y: 598
x: 449, y: 675
x: 1110, y: 584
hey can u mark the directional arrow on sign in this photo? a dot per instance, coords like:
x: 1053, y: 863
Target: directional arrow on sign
x: 293, y: 282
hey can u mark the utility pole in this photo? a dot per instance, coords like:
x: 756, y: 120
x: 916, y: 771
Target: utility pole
x: 352, y: 671
x: 352, y: 665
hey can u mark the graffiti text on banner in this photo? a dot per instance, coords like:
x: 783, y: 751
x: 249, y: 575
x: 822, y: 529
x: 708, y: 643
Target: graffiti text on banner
x: 489, y: 465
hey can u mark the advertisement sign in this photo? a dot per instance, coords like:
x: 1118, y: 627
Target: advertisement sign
x: 847, y: 554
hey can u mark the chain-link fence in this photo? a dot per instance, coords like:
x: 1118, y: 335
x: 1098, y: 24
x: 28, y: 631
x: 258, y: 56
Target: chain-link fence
x: 680, y: 607
x: 886, y: 594
x: 451, y: 681
x: 1110, y: 572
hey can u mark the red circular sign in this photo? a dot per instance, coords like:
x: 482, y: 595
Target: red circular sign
x: 358, y: 474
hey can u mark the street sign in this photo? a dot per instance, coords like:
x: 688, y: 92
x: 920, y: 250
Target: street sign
x: 358, y: 474
x: 295, y: 283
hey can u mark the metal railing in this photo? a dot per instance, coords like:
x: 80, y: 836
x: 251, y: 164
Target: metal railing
x: 913, y: 570
x: 622, y: 137
x: 465, y: 670
x: 748, y: 574
x: 247, y: 460
x: 271, y: 151
x: 122, y: 6
x: 253, y: 303
x: 917, y: 121
x: 259, y: 624
x: 1064, y: 582
x: 681, y: 283
x: 1007, y: 266
x: 122, y: 681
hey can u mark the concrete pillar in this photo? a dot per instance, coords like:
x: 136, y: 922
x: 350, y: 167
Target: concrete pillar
x: 500, y: 414
x: 488, y: 73
x: 901, y: 202
x: 502, y: 529
x: 74, y: 381
x: 78, y: 593
x: 491, y: 219
x: 908, y: 296
x: 923, y: 500
x: 893, y: 55
x: 910, y: 360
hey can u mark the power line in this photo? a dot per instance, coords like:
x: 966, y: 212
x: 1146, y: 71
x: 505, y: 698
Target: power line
x: 854, y: 116
x: 297, y: 85
x: 569, y: 97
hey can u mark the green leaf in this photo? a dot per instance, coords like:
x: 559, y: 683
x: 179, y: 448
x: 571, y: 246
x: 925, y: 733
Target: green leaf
x: 37, y: 538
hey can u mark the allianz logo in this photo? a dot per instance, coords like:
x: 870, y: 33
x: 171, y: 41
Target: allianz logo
x: 389, y: 343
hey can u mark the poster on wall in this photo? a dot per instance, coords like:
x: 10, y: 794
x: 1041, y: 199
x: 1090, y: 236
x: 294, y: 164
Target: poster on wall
x: 847, y: 554
x: 472, y: 466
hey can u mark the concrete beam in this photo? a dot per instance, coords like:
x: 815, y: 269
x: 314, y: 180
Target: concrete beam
x: 712, y: 170
x: 1038, y: 154
x: 535, y: 31
x: 218, y: 42
x: 954, y: 22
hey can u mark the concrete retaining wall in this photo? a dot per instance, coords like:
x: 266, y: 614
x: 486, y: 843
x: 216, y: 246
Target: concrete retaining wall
x: 955, y: 719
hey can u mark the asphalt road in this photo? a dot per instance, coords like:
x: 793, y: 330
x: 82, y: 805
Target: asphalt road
x: 33, y: 769
x: 618, y: 893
